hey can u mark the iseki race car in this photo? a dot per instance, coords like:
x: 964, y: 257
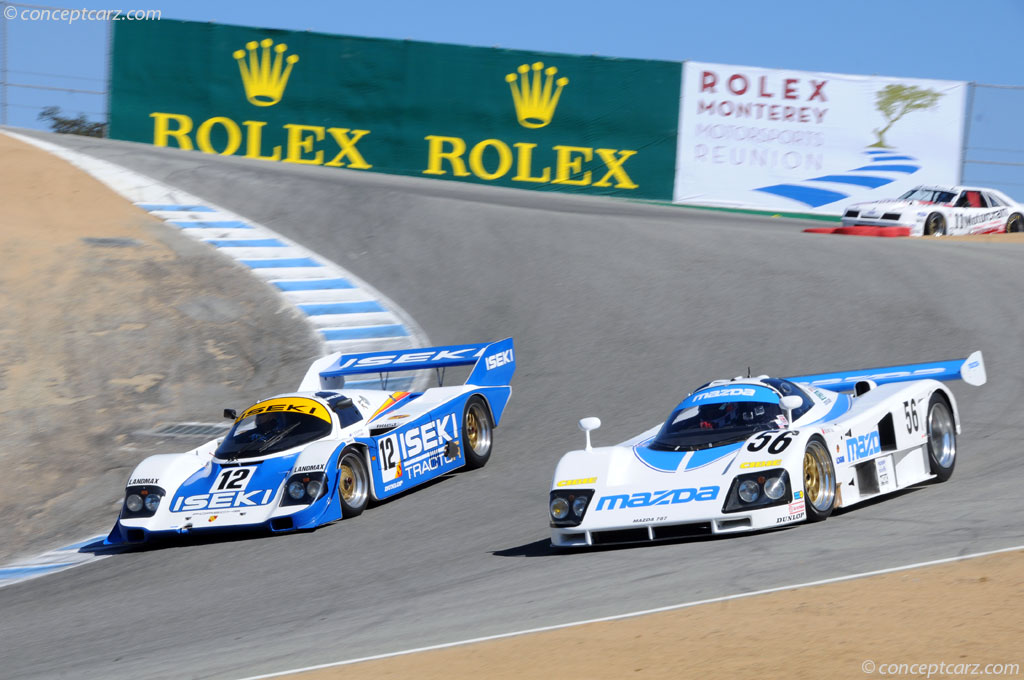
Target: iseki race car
x: 938, y: 211
x: 761, y: 453
x: 320, y: 454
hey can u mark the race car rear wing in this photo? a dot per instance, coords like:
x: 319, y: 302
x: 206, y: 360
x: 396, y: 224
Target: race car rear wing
x: 971, y: 370
x: 493, y: 364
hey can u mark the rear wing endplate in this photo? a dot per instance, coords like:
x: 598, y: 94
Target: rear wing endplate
x: 971, y: 370
x: 493, y: 364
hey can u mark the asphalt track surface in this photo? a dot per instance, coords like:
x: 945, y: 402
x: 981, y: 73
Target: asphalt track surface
x: 618, y: 309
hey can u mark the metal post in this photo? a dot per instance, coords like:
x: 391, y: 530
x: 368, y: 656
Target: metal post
x: 3, y: 64
x: 109, y: 76
x: 967, y: 129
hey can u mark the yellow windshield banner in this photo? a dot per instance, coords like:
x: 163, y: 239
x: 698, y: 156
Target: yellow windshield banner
x: 289, y: 405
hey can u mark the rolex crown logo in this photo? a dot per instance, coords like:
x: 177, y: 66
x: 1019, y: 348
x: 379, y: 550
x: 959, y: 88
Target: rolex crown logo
x: 264, y: 82
x: 534, y: 100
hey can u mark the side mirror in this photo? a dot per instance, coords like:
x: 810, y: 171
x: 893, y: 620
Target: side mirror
x: 789, y: 403
x: 588, y: 424
x: 230, y: 414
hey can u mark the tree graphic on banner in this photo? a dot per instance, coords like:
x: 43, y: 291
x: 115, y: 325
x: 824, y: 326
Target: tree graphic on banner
x: 896, y: 101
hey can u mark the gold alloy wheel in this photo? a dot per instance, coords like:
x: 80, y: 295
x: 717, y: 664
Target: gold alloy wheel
x: 347, y: 483
x: 812, y: 480
x: 819, y: 478
x: 472, y: 428
x: 353, y: 482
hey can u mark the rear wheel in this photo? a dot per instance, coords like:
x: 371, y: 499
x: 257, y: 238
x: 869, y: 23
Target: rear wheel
x: 1015, y: 224
x: 935, y: 225
x: 819, y: 481
x: 353, y: 483
x: 476, y: 433
x: 941, y: 438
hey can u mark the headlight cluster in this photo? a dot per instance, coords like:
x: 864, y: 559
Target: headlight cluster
x: 303, y: 489
x: 568, y: 506
x: 141, y: 501
x: 758, y: 490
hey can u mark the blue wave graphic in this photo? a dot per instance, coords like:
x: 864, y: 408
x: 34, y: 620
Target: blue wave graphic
x: 814, y: 196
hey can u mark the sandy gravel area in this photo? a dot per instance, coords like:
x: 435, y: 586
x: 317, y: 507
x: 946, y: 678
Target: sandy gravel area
x: 959, y: 614
x: 113, y: 324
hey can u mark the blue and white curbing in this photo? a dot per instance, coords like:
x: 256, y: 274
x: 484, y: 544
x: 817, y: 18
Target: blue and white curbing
x: 347, y: 314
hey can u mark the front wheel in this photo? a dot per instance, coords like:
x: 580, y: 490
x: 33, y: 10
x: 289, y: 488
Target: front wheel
x: 353, y: 483
x: 819, y: 481
x: 476, y: 433
x: 1015, y: 224
x: 941, y: 438
x: 935, y: 225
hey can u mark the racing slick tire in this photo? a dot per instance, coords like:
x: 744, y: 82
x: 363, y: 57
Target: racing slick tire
x: 477, y: 429
x: 1015, y: 224
x: 935, y: 225
x: 941, y: 438
x: 819, y: 481
x: 353, y: 482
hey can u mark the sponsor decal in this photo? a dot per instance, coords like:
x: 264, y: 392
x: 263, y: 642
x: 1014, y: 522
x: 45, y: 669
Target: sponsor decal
x: 212, y: 518
x: 797, y: 495
x: 725, y: 392
x: 796, y: 507
x: 389, y: 402
x: 499, y: 359
x: 535, y: 95
x: 885, y: 480
x: 410, y: 358
x: 288, y: 405
x: 138, y: 481
x: 264, y: 83
x: 418, y: 450
x: 535, y: 105
x: 264, y: 79
x: 789, y: 518
x: 223, y: 500
x: 879, y: 376
x: 863, y: 446
x: 760, y: 463
x: 309, y: 468
x: 577, y: 482
x: 669, y: 497
x: 716, y: 90
x: 963, y: 221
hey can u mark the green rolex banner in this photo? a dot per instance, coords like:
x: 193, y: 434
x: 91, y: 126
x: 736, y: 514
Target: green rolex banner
x: 506, y: 117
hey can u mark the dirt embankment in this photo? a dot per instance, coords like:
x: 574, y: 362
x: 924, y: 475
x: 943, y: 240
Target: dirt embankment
x: 112, y: 324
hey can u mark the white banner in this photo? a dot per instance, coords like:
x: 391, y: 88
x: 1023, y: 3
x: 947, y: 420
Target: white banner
x: 801, y: 141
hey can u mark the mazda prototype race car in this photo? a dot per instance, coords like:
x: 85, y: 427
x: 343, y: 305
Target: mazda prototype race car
x: 759, y: 453
x: 299, y: 460
x: 937, y: 211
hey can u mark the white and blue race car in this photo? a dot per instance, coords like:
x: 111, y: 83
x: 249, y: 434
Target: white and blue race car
x: 320, y: 454
x: 759, y: 453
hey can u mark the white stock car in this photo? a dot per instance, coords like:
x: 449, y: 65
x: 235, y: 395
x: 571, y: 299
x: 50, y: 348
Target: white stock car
x: 759, y: 453
x: 937, y: 211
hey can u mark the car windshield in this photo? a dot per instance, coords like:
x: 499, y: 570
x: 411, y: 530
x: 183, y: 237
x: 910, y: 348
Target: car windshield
x: 929, y: 195
x: 707, y: 425
x: 275, y: 425
x: 719, y: 414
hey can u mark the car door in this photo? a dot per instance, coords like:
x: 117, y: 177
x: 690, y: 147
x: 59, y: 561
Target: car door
x: 971, y: 214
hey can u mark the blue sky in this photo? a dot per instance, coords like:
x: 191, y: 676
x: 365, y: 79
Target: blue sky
x: 976, y: 41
